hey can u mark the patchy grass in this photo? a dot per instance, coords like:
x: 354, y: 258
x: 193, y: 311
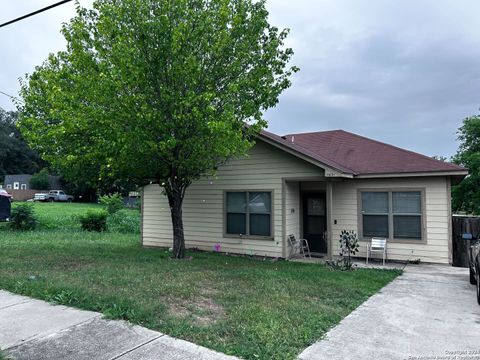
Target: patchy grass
x: 236, y: 305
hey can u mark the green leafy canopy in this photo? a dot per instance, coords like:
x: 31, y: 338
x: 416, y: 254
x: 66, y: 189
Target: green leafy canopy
x: 40, y: 180
x: 15, y: 155
x: 466, y: 195
x: 156, y: 90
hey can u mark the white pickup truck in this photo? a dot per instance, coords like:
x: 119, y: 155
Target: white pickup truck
x: 53, y: 195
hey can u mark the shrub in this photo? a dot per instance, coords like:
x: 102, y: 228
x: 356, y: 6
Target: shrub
x: 112, y: 203
x: 124, y: 221
x: 348, y: 247
x: 23, y: 217
x: 40, y: 180
x: 94, y: 220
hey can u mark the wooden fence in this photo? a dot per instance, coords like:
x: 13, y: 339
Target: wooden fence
x: 463, y: 227
x: 23, y: 195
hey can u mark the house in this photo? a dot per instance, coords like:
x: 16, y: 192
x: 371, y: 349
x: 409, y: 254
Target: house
x: 22, y: 182
x: 315, y: 185
x: 17, y: 182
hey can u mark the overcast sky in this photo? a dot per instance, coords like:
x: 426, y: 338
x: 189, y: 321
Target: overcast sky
x: 403, y: 72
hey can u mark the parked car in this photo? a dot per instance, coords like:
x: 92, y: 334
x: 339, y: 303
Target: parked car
x: 4, y: 192
x: 5, y: 207
x: 475, y: 267
x: 53, y: 195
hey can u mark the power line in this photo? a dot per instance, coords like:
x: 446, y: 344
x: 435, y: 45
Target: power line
x: 10, y: 96
x: 35, y: 13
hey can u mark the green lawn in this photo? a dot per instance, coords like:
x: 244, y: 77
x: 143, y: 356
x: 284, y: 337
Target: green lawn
x: 61, y: 216
x: 237, y: 305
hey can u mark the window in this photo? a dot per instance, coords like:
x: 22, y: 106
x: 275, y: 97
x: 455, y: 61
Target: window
x: 9, y: 186
x: 375, y: 214
x: 249, y: 213
x: 236, y: 213
x: 407, y: 215
x: 392, y: 214
x: 16, y: 185
x: 23, y: 186
x: 259, y: 213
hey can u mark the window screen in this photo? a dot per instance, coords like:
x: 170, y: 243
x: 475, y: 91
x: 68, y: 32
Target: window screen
x: 375, y: 214
x: 249, y: 218
x: 407, y: 214
x: 236, y: 213
x: 259, y: 207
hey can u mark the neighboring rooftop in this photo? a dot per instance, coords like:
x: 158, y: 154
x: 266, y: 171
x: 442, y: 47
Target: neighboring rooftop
x: 358, y: 155
x: 20, y: 178
x: 55, y: 182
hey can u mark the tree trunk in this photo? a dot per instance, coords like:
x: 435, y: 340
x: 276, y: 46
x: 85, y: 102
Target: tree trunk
x: 175, y: 201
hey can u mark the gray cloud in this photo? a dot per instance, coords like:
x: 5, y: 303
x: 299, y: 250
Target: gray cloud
x: 404, y: 72
x: 27, y: 43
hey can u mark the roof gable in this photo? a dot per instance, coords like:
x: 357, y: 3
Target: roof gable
x: 20, y: 178
x: 305, y: 153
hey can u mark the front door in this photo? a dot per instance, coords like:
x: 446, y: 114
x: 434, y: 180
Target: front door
x: 315, y: 221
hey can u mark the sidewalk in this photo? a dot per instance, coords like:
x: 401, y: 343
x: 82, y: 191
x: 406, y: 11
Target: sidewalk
x: 34, y: 329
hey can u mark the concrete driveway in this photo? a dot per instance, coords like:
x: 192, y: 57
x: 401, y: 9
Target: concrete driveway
x: 430, y: 312
x: 35, y: 330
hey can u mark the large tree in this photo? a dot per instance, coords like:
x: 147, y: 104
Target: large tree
x: 156, y: 91
x: 466, y: 195
x: 16, y: 157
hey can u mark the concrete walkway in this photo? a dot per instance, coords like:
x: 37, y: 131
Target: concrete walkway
x: 429, y: 312
x: 34, y: 329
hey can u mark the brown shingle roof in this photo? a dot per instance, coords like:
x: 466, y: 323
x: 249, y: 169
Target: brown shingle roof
x: 358, y: 155
x: 304, y: 151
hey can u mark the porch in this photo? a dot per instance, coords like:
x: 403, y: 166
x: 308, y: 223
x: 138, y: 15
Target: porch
x: 307, y: 210
x: 318, y: 209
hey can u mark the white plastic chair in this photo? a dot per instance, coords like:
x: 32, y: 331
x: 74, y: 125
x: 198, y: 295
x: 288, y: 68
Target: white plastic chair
x: 377, y: 245
x: 299, y: 246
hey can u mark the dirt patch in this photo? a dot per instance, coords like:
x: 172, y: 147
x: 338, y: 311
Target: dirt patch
x: 178, y: 310
x: 205, y: 311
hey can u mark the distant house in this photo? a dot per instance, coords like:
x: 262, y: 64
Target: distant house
x: 315, y: 185
x: 22, y: 182
x: 17, y: 182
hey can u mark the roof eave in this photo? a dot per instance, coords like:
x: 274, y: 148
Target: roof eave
x: 414, y: 174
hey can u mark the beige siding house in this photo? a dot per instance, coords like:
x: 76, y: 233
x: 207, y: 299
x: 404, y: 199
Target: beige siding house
x: 313, y: 186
